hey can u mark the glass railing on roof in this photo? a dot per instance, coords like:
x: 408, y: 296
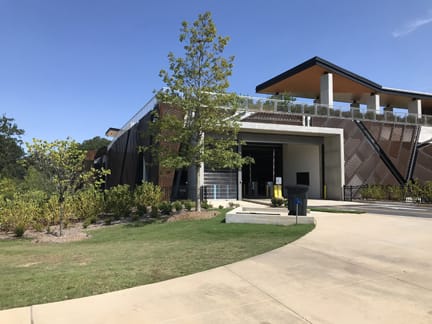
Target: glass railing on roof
x: 251, y: 104
x: 149, y: 106
x: 256, y: 104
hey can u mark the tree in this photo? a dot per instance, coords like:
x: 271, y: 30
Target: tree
x: 10, y: 148
x: 62, y: 162
x: 196, y: 87
x: 94, y: 143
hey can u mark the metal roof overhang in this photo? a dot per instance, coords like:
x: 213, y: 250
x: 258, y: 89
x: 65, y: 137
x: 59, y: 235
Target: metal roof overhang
x: 304, y: 81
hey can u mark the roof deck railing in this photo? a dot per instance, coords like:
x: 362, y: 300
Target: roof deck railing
x: 149, y: 106
x: 251, y: 104
x: 256, y: 104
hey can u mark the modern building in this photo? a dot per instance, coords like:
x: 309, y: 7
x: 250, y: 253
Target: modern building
x: 341, y: 129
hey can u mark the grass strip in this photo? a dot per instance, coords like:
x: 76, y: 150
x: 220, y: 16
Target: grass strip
x: 124, y: 256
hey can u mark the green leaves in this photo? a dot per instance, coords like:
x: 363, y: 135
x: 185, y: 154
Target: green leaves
x: 10, y: 148
x: 205, y: 124
x: 62, y: 162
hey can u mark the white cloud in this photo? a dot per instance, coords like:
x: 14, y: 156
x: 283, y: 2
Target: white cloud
x: 412, y: 26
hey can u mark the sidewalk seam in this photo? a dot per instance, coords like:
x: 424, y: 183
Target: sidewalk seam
x: 31, y: 314
x: 270, y: 296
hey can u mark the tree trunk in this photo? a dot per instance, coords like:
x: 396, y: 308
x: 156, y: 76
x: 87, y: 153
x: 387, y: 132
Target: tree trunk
x: 198, y: 188
x: 61, y: 218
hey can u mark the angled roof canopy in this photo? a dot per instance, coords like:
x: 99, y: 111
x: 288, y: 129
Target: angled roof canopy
x: 304, y: 81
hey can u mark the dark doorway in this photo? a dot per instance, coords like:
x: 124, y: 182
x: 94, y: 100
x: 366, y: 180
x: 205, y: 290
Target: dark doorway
x: 258, y: 178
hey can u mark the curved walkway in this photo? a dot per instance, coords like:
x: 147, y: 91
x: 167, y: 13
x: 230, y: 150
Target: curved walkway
x: 350, y: 269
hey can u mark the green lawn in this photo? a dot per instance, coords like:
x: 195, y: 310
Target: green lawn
x: 125, y: 256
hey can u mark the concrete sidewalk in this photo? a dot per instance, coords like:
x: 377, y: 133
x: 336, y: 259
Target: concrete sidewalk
x: 350, y: 269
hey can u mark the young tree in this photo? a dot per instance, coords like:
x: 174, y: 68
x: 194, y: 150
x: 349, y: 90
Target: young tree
x: 10, y: 148
x: 62, y: 162
x: 196, y: 87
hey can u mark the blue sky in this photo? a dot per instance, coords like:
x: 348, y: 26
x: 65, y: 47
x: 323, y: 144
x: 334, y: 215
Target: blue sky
x: 75, y: 68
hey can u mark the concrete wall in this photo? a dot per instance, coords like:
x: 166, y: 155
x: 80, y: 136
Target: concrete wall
x: 334, y: 171
x: 302, y: 158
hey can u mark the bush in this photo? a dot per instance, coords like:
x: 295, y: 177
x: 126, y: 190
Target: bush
x: 88, y: 203
x: 375, y: 192
x: 86, y: 223
x: 8, y: 187
x: 19, y: 230
x: 233, y: 205
x: 395, y: 192
x: 277, y: 202
x: 154, y: 211
x: 427, y: 192
x: 145, y: 195
x: 89, y: 220
x: 413, y: 189
x: 178, y: 206
x: 165, y: 207
x: 206, y: 205
x: 188, y: 204
x: 17, y: 214
x: 118, y: 201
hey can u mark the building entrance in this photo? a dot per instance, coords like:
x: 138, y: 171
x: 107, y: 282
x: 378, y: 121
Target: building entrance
x: 258, y: 178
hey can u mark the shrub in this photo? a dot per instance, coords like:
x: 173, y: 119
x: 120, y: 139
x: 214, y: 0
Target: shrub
x: 394, y: 192
x: 145, y: 195
x: 220, y: 207
x: 86, y: 222
x: 277, y: 202
x: 8, y: 187
x: 375, y: 192
x: 165, y: 207
x: 17, y: 214
x: 19, y: 230
x: 413, y: 189
x: 178, y: 206
x: 118, y: 201
x: 135, y: 217
x: 206, y: 205
x: 188, y: 204
x: 88, y: 203
x: 154, y: 211
x: 427, y: 192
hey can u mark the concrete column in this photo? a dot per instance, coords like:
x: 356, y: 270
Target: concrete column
x: 201, y: 175
x: 415, y: 107
x: 374, y: 102
x: 326, y: 89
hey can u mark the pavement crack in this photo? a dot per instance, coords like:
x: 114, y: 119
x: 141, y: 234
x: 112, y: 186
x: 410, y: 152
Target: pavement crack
x: 269, y: 295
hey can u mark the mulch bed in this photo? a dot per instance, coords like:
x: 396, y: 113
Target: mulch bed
x: 76, y: 232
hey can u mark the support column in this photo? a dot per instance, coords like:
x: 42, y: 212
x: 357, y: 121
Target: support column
x: 415, y: 107
x: 374, y: 102
x: 326, y: 89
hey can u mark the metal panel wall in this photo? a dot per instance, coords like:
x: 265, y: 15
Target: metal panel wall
x: 220, y: 184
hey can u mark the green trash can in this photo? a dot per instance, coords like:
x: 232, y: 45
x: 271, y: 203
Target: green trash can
x: 297, y: 196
